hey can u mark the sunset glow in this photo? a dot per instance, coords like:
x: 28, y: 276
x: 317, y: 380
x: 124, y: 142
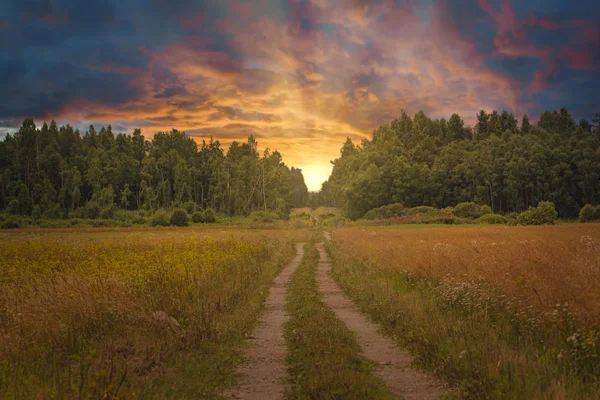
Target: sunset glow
x: 300, y: 76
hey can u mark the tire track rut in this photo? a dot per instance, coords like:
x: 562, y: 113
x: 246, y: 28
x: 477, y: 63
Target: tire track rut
x: 264, y: 372
x: 393, y: 364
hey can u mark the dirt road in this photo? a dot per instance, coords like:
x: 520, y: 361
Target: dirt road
x: 393, y: 363
x: 265, y: 371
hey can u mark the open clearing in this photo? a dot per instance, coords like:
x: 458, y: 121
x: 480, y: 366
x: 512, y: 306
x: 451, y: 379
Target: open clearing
x: 490, y: 312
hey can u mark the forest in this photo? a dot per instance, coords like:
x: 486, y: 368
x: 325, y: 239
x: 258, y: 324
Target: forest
x: 441, y: 163
x: 57, y: 172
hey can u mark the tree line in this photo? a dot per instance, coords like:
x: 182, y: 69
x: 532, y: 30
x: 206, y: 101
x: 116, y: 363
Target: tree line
x: 57, y: 172
x: 424, y: 162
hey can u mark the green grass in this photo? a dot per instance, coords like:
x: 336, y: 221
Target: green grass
x: 325, y: 361
x: 486, y: 353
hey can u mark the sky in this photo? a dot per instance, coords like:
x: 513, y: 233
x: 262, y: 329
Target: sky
x: 299, y: 75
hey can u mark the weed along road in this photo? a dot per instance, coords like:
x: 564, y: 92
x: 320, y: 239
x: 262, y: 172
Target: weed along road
x: 392, y: 364
x: 264, y: 373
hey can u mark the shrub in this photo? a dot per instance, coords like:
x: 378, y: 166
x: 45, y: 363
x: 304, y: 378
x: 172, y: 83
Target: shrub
x: 53, y: 212
x: 384, y: 212
x: 335, y: 221
x: 36, y: 213
x: 10, y: 223
x: 179, y: 218
x: 543, y: 214
x: 491, y: 219
x: 108, y: 212
x: 100, y: 223
x: 448, y: 211
x: 467, y: 210
x: 160, y: 218
x: 283, y: 209
x: 587, y: 213
x: 189, y: 207
x: 485, y: 209
x: 263, y: 216
x: 597, y: 213
x: 92, y: 210
x: 13, y: 207
x: 425, y: 210
x: 198, y: 217
x: 210, y: 216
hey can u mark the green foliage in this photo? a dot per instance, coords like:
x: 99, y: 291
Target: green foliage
x: 178, y: 218
x: 423, y: 210
x: 190, y: 207
x: 597, y: 213
x: 485, y: 209
x: 60, y: 172
x: 471, y: 210
x: 160, y: 218
x: 264, y: 216
x: 338, y: 220
x: 10, y: 223
x: 36, y: 212
x: 91, y: 210
x: 587, y: 213
x: 13, y: 207
x: 543, y: 214
x: 283, y: 210
x: 54, y: 212
x: 209, y: 216
x: 108, y: 212
x: 389, y: 211
x: 439, y: 163
x: 491, y: 219
x: 198, y: 217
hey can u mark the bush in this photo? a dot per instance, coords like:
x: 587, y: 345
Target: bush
x: 491, y: 219
x: 283, y: 209
x: 425, y: 210
x: 384, y: 212
x: 484, y: 210
x: 53, y: 212
x: 198, y: 217
x: 263, y: 216
x: 189, y: 207
x: 108, y: 212
x: 179, y: 218
x: 587, y: 213
x: 597, y: 213
x: 160, y: 218
x: 101, y: 223
x: 335, y: 221
x: 468, y: 210
x: 13, y: 207
x: 543, y: 214
x: 36, y: 213
x: 209, y: 215
x: 10, y: 223
x: 91, y: 210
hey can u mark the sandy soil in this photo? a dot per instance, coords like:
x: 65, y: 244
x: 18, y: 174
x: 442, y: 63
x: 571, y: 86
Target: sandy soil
x: 264, y: 373
x: 393, y: 363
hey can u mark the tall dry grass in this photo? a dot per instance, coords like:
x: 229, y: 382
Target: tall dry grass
x: 499, y: 312
x: 548, y: 268
x: 84, y: 316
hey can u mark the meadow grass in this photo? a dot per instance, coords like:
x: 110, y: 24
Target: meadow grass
x: 502, y: 312
x: 78, y: 312
x: 325, y: 361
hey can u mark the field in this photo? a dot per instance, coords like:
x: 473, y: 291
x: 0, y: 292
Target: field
x: 506, y: 311
x: 92, y: 314
x: 493, y: 312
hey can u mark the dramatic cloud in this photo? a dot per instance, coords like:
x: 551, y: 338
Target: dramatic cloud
x: 299, y: 75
